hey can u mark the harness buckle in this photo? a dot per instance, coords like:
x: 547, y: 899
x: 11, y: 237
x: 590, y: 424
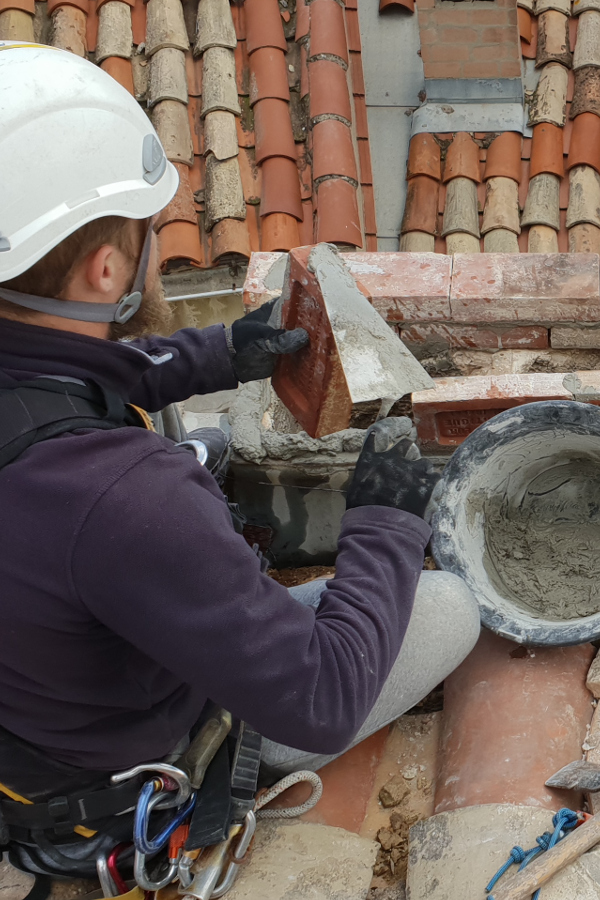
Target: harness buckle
x: 58, y: 808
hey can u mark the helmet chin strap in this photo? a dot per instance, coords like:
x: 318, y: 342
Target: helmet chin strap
x: 119, y: 312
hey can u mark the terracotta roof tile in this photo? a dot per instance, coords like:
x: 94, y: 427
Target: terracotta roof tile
x: 304, y: 171
x: 584, y: 239
x: 69, y: 30
x: 524, y: 185
x: 371, y: 243
x: 541, y: 239
x: 91, y: 28
x: 181, y: 208
x: 501, y: 206
x: 306, y: 226
x: 280, y: 187
x: 364, y: 158
x: 27, y: 6
x: 246, y: 137
x: 567, y: 132
x: 406, y: 4
x: 327, y: 31
x: 526, y: 149
x: 219, y: 87
x: 263, y: 25
x: 504, y: 156
x: 420, y: 211
x: 462, y: 158
x: 563, y: 234
x: 273, y: 130
x: 120, y: 70
x: 553, y: 39
x: 165, y: 26
x: 353, y: 29
x: 550, y: 98
x: 193, y: 72
x: 351, y: 4
x: 529, y: 50
x: 563, y: 194
x: 251, y: 175
x: 238, y: 14
x: 167, y: 77
x: 369, y: 209
x: 547, y: 150
x: 170, y: 118
x: 268, y: 75
x: 252, y: 223
x: 525, y: 30
x: 304, y: 88
x: 587, y: 51
x: 584, y: 196
x: 356, y: 72
x: 214, y: 26
x: 279, y: 232
x: 180, y: 241
x: 586, y: 91
x: 242, y: 68
x: 461, y: 210
x: 83, y: 5
x: 442, y: 199
x: 197, y: 175
x: 220, y: 136
x: 571, y: 86
x: 329, y: 94
x: 361, y: 122
x: 585, y: 142
x: 194, y: 109
x: 138, y: 22
x: 230, y: 238
x: 333, y: 150
x: 338, y: 220
x: 424, y: 157
x: 302, y: 19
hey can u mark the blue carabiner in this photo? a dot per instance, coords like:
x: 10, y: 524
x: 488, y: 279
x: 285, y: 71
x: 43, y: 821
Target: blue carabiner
x: 150, y: 796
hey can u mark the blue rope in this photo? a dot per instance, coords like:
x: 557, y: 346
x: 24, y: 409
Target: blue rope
x: 563, y: 822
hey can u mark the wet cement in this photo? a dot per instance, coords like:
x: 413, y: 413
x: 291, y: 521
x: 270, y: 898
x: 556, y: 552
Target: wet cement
x: 543, y: 545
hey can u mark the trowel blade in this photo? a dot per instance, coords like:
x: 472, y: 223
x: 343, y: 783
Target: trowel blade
x: 579, y: 776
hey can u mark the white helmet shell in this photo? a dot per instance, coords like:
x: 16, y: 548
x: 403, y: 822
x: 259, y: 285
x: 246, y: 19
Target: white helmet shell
x: 74, y: 146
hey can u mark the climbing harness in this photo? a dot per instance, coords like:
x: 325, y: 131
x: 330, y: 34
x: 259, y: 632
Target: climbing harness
x: 564, y: 821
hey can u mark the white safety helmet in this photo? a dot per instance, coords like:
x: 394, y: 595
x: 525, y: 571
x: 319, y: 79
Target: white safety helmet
x: 74, y: 146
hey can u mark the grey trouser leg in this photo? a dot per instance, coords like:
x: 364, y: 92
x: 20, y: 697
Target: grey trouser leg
x: 442, y: 631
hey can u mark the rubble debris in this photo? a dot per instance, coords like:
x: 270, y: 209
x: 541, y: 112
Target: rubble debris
x: 293, y: 577
x: 392, y: 857
x: 393, y: 792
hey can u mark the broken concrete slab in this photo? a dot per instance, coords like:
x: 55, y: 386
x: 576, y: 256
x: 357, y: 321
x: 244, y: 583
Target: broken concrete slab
x: 353, y: 357
x: 291, y: 861
x: 454, y: 855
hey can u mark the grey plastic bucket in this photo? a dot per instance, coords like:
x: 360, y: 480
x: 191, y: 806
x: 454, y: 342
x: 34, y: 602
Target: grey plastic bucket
x: 501, y: 459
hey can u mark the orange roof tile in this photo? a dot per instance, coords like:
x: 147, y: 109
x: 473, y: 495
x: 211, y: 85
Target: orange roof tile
x: 273, y: 130
x: 364, y: 158
x: 193, y: 74
x: 83, y: 5
x: 327, y: 30
x: 547, y: 150
x: 264, y: 27
x: 329, y: 94
x: 279, y: 232
x: 120, y: 69
x: 585, y: 142
x: 369, y: 208
x: 353, y: 29
x: 138, y: 21
x: 420, y: 211
x: 361, y: 122
x: 180, y: 241
x: 424, y: 157
x: 333, y: 150
x: 302, y: 19
x: 27, y: 6
x: 406, y: 4
x: 238, y: 14
x: 524, y: 19
x: 338, y: 220
x: 306, y: 226
x: 304, y: 171
x: 504, y: 156
x: 181, y: 208
x: 462, y: 159
x: 251, y: 175
x: 529, y: 50
x: 268, y: 75
x: 230, y: 237
x: 280, y: 187
x: 304, y: 89
x: 356, y: 71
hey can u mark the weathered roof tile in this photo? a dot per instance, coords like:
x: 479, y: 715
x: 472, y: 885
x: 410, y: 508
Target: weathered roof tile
x: 585, y: 142
x: 547, y: 150
x: 549, y: 103
x: 584, y: 196
x: 424, y: 157
x: 504, y: 157
x: 421, y: 207
x: 214, y: 26
x: 462, y: 158
x: 501, y: 205
x: 586, y: 91
x: 279, y: 232
x: 121, y: 70
x: 165, y: 26
x: 338, y: 219
x: 553, y: 44
x: 461, y: 213
x: 587, y: 51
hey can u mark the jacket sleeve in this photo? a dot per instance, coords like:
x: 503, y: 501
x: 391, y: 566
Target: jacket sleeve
x: 158, y: 562
x: 200, y: 364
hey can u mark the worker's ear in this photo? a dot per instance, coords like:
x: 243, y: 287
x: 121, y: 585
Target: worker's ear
x: 105, y: 269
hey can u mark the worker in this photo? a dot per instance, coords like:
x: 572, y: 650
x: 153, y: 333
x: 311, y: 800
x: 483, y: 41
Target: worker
x: 128, y: 599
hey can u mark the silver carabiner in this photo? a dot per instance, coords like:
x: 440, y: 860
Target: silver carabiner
x: 184, y: 787
x: 109, y: 888
x: 238, y: 856
x: 198, y: 447
x: 141, y: 876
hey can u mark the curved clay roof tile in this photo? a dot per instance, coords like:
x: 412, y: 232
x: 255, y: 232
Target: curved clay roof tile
x: 338, y: 220
x: 524, y: 19
x: 421, y: 207
x: 405, y: 4
x: 138, y: 22
x: 268, y: 75
x: 585, y: 142
x: 306, y: 226
x: 27, y: 6
x: 121, y: 70
x: 273, y: 130
x: 279, y: 232
x: 462, y: 158
x: 504, y: 157
x: 302, y: 19
x: 230, y: 237
x: 264, y: 27
x: 586, y: 91
x: 329, y: 94
x: 280, y: 187
x: 547, y: 150
x: 587, y: 49
x: 424, y: 157
x: 333, y: 150
x: 83, y: 5
x: 553, y: 42
x: 180, y: 240
x: 327, y: 30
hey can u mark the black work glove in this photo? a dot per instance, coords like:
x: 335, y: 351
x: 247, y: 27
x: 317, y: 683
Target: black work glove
x: 390, y: 471
x: 254, y: 344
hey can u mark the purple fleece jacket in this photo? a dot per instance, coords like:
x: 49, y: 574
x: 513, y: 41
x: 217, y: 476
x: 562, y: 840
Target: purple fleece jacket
x: 127, y: 599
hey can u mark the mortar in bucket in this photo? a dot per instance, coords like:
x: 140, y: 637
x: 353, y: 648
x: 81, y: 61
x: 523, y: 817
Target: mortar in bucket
x: 519, y: 521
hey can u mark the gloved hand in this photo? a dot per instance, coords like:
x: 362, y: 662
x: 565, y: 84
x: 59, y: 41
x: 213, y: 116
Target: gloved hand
x: 255, y: 345
x: 390, y: 471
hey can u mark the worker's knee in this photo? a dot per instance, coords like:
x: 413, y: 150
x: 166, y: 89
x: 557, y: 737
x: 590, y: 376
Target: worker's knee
x: 445, y: 604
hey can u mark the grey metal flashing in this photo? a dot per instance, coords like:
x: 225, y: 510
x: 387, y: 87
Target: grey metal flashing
x: 446, y: 117
x: 474, y: 90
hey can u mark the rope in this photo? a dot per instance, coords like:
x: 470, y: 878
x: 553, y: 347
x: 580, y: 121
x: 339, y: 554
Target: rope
x: 564, y: 821
x: 282, y: 786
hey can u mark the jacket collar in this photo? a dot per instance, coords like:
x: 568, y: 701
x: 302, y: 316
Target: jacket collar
x: 27, y: 351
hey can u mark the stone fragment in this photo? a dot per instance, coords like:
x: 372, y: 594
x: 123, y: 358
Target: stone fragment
x: 584, y: 196
x: 214, y: 26
x: 115, y: 35
x: 353, y: 357
x: 501, y: 205
x: 565, y: 337
x: 393, y: 792
x: 461, y: 211
x: 592, y: 742
x: 536, y: 288
x: 593, y: 677
x: 542, y: 206
x: 458, y: 242
x: 542, y: 239
x: 549, y: 103
x: 167, y: 76
x: 587, y: 48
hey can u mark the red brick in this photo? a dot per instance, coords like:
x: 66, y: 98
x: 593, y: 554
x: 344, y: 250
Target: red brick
x: 536, y: 287
x: 564, y: 337
x: 443, y: 70
x: 533, y: 337
x: 510, y: 69
x: 428, y: 36
x: 460, y: 405
x: 499, y: 34
x: 488, y: 17
x: 452, y: 17
x: 481, y: 69
x: 501, y: 52
x: 457, y: 35
x: 445, y: 52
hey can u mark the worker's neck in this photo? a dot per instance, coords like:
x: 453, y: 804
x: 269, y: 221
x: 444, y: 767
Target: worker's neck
x: 91, y: 329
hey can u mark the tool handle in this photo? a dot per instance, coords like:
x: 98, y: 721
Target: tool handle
x: 523, y: 884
